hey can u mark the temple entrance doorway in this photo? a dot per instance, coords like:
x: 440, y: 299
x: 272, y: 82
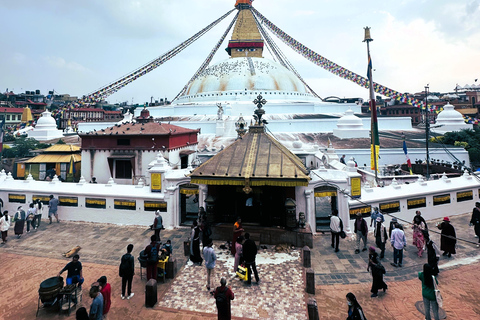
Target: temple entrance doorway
x: 325, y: 203
x: 264, y: 206
x: 188, y: 204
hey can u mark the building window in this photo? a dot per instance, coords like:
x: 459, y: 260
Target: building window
x: 123, y: 142
x: 19, y: 117
x: 8, y: 117
x: 123, y: 169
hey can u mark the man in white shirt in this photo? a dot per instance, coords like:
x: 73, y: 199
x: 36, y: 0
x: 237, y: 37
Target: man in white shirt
x: 399, y: 242
x: 336, y: 226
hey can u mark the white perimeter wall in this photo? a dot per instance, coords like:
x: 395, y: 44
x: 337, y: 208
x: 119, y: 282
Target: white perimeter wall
x: 375, y: 196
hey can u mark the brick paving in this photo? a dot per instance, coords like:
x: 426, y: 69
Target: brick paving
x: 25, y: 262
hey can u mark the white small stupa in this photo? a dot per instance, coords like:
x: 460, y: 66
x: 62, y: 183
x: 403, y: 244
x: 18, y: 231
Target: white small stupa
x: 450, y: 120
x: 350, y: 126
x: 46, y: 128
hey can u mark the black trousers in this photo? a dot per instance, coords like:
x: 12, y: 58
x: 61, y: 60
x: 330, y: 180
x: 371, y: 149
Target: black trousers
x: 251, y: 266
x: 127, y: 280
x: 335, y: 239
x: 157, y: 234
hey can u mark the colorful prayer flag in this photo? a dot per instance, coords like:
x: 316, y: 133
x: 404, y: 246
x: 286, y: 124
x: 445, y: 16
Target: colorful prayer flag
x: 409, y: 163
x: 2, y: 132
x: 72, y: 170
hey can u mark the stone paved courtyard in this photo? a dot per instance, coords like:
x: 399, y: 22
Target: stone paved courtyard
x: 27, y: 261
x: 280, y: 292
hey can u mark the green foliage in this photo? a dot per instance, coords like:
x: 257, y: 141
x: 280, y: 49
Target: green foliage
x: 462, y: 144
x: 22, y: 147
x: 60, y: 141
x: 469, y: 139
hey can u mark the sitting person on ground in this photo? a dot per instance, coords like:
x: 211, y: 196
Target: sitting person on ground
x: 74, y: 271
x: 168, y: 246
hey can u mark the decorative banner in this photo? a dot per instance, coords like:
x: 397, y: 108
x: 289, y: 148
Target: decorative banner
x: 156, y: 184
x: 19, y: 198
x: 43, y: 199
x: 124, y: 204
x: 337, y: 69
x: 68, y: 201
x: 389, y: 207
x: 366, y: 211
x: 325, y: 194
x: 464, y: 196
x: 155, y: 205
x: 355, y: 187
x: 416, y: 203
x: 442, y: 199
x: 95, y: 203
x: 110, y: 89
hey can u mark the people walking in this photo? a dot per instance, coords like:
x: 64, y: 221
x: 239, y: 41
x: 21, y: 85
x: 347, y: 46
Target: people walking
x: 38, y: 213
x: 336, y: 226
x: 223, y: 296
x: 5, y: 223
x: 195, y: 256
x: 391, y: 227
x: 19, y: 221
x: 448, y: 238
x: 205, y: 229
x: 157, y: 224
x: 399, y: 242
x: 126, y: 271
x: 152, y: 251
x: 418, y: 215
x: 428, y: 292
x: 53, y: 208
x: 249, y: 255
x: 361, y: 231
x: 355, y: 311
x: 31, y: 212
x: 210, y: 262
x: 238, y: 253
x: 106, y: 291
x: 380, y: 236
x: 418, y: 234
x: 373, y: 217
x: 433, y: 255
x: 378, y: 270
x: 237, y: 232
x: 475, y: 221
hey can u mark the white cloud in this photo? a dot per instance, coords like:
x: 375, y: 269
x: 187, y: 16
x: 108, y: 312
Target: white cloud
x: 61, y: 63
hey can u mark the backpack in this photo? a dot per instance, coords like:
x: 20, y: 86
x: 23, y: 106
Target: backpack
x: 153, y: 257
x: 125, y: 266
x: 221, y: 298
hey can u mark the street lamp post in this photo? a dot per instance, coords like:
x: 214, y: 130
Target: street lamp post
x: 427, y: 132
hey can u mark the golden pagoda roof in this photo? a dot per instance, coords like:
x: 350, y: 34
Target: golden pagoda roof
x: 257, y: 159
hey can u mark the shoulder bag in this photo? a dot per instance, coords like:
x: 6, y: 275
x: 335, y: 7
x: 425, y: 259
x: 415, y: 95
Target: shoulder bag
x: 438, y: 295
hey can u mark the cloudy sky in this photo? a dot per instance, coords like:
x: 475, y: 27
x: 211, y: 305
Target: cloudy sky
x: 78, y: 46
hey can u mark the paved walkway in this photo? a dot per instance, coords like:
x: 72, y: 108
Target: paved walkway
x: 346, y: 267
x: 25, y: 262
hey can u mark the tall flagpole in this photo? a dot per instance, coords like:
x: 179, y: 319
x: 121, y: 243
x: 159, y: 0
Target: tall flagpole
x: 375, y: 143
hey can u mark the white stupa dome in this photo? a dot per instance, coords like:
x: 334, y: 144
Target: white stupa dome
x: 46, y: 128
x: 46, y: 121
x: 451, y: 120
x: 235, y: 79
x: 350, y: 126
x: 449, y: 116
x: 349, y: 121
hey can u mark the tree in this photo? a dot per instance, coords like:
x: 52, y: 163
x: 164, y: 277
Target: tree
x: 22, y: 147
x: 469, y: 139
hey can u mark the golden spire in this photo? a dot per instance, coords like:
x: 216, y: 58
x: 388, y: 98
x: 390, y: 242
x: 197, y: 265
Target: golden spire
x: 246, y: 39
